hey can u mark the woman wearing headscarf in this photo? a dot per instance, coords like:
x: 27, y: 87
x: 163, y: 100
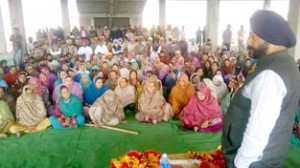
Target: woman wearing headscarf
x: 60, y: 75
x: 112, y: 80
x: 126, y: 93
x: 116, y: 48
x: 220, y: 86
x: 30, y: 112
x: 178, y: 60
x: 135, y: 82
x: 246, y: 67
x: 17, y: 87
x: 152, y: 106
x: 40, y: 90
x: 69, y: 111
x: 211, y: 86
x: 6, y: 119
x: 95, y: 90
x: 124, y: 72
x: 171, y: 79
x: 157, y: 65
x: 202, y: 113
x: 75, y: 89
x: 195, y: 80
x: 181, y: 94
x: 85, y: 82
x: 11, y: 76
x: 107, y: 110
x: 6, y: 97
x: 227, y: 69
x: 116, y: 68
x: 100, y: 74
x: 44, y: 80
x: 94, y: 70
x: 51, y: 76
x: 163, y: 72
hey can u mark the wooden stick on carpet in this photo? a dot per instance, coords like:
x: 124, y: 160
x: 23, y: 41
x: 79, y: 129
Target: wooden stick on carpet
x: 115, y: 129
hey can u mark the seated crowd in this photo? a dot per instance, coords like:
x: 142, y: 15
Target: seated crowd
x: 92, y: 76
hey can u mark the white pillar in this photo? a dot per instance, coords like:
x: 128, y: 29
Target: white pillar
x: 65, y: 16
x: 17, y: 19
x: 162, y: 13
x: 3, y: 48
x: 294, y: 21
x: 212, y: 20
x: 267, y: 5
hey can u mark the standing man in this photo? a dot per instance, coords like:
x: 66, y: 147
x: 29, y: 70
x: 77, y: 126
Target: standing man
x: 16, y: 39
x: 198, y: 37
x: 227, y: 35
x: 241, y: 37
x: 259, y: 120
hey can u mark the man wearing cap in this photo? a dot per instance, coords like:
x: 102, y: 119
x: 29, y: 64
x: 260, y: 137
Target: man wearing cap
x: 259, y: 120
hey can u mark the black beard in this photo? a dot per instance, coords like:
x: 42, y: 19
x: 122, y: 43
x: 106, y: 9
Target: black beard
x: 261, y: 51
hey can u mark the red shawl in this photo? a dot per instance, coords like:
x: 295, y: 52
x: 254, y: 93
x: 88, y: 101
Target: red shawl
x: 197, y: 111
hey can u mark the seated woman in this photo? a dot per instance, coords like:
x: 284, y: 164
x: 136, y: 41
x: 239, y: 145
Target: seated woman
x: 95, y: 90
x: 11, y: 76
x: 100, y: 74
x: 295, y: 139
x: 195, y: 80
x: 112, y: 80
x: 6, y: 119
x: 209, y: 83
x: 50, y: 76
x: 135, y: 82
x: 44, y: 80
x: 40, y: 90
x: 60, y: 75
x: 17, y: 87
x: 126, y: 93
x: 69, y: 111
x: 171, y: 80
x: 181, y: 94
x: 30, y: 113
x: 202, y: 113
x: 107, y: 110
x: 6, y: 97
x: 221, y: 87
x: 163, y: 72
x: 152, y: 106
x: 74, y: 88
x: 85, y: 82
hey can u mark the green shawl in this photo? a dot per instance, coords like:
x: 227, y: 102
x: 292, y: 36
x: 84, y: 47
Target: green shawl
x: 71, y: 107
x: 6, y: 117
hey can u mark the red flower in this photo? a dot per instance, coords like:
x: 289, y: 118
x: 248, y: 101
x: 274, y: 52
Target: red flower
x: 112, y: 165
x: 124, y: 165
x: 204, y: 164
x: 134, y: 153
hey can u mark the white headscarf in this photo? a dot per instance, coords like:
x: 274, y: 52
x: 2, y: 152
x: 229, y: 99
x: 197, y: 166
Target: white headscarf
x: 221, y: 87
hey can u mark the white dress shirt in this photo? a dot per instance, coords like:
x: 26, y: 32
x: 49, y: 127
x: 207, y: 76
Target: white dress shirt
x: 266, y: 92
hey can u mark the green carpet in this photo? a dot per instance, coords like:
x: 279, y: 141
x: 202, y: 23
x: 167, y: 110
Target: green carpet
x: 90, y: 147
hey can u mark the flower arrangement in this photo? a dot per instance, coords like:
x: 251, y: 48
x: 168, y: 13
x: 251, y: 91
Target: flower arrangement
x: 135, y: 159
x: 150, y: 159
x: 208, y: 159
